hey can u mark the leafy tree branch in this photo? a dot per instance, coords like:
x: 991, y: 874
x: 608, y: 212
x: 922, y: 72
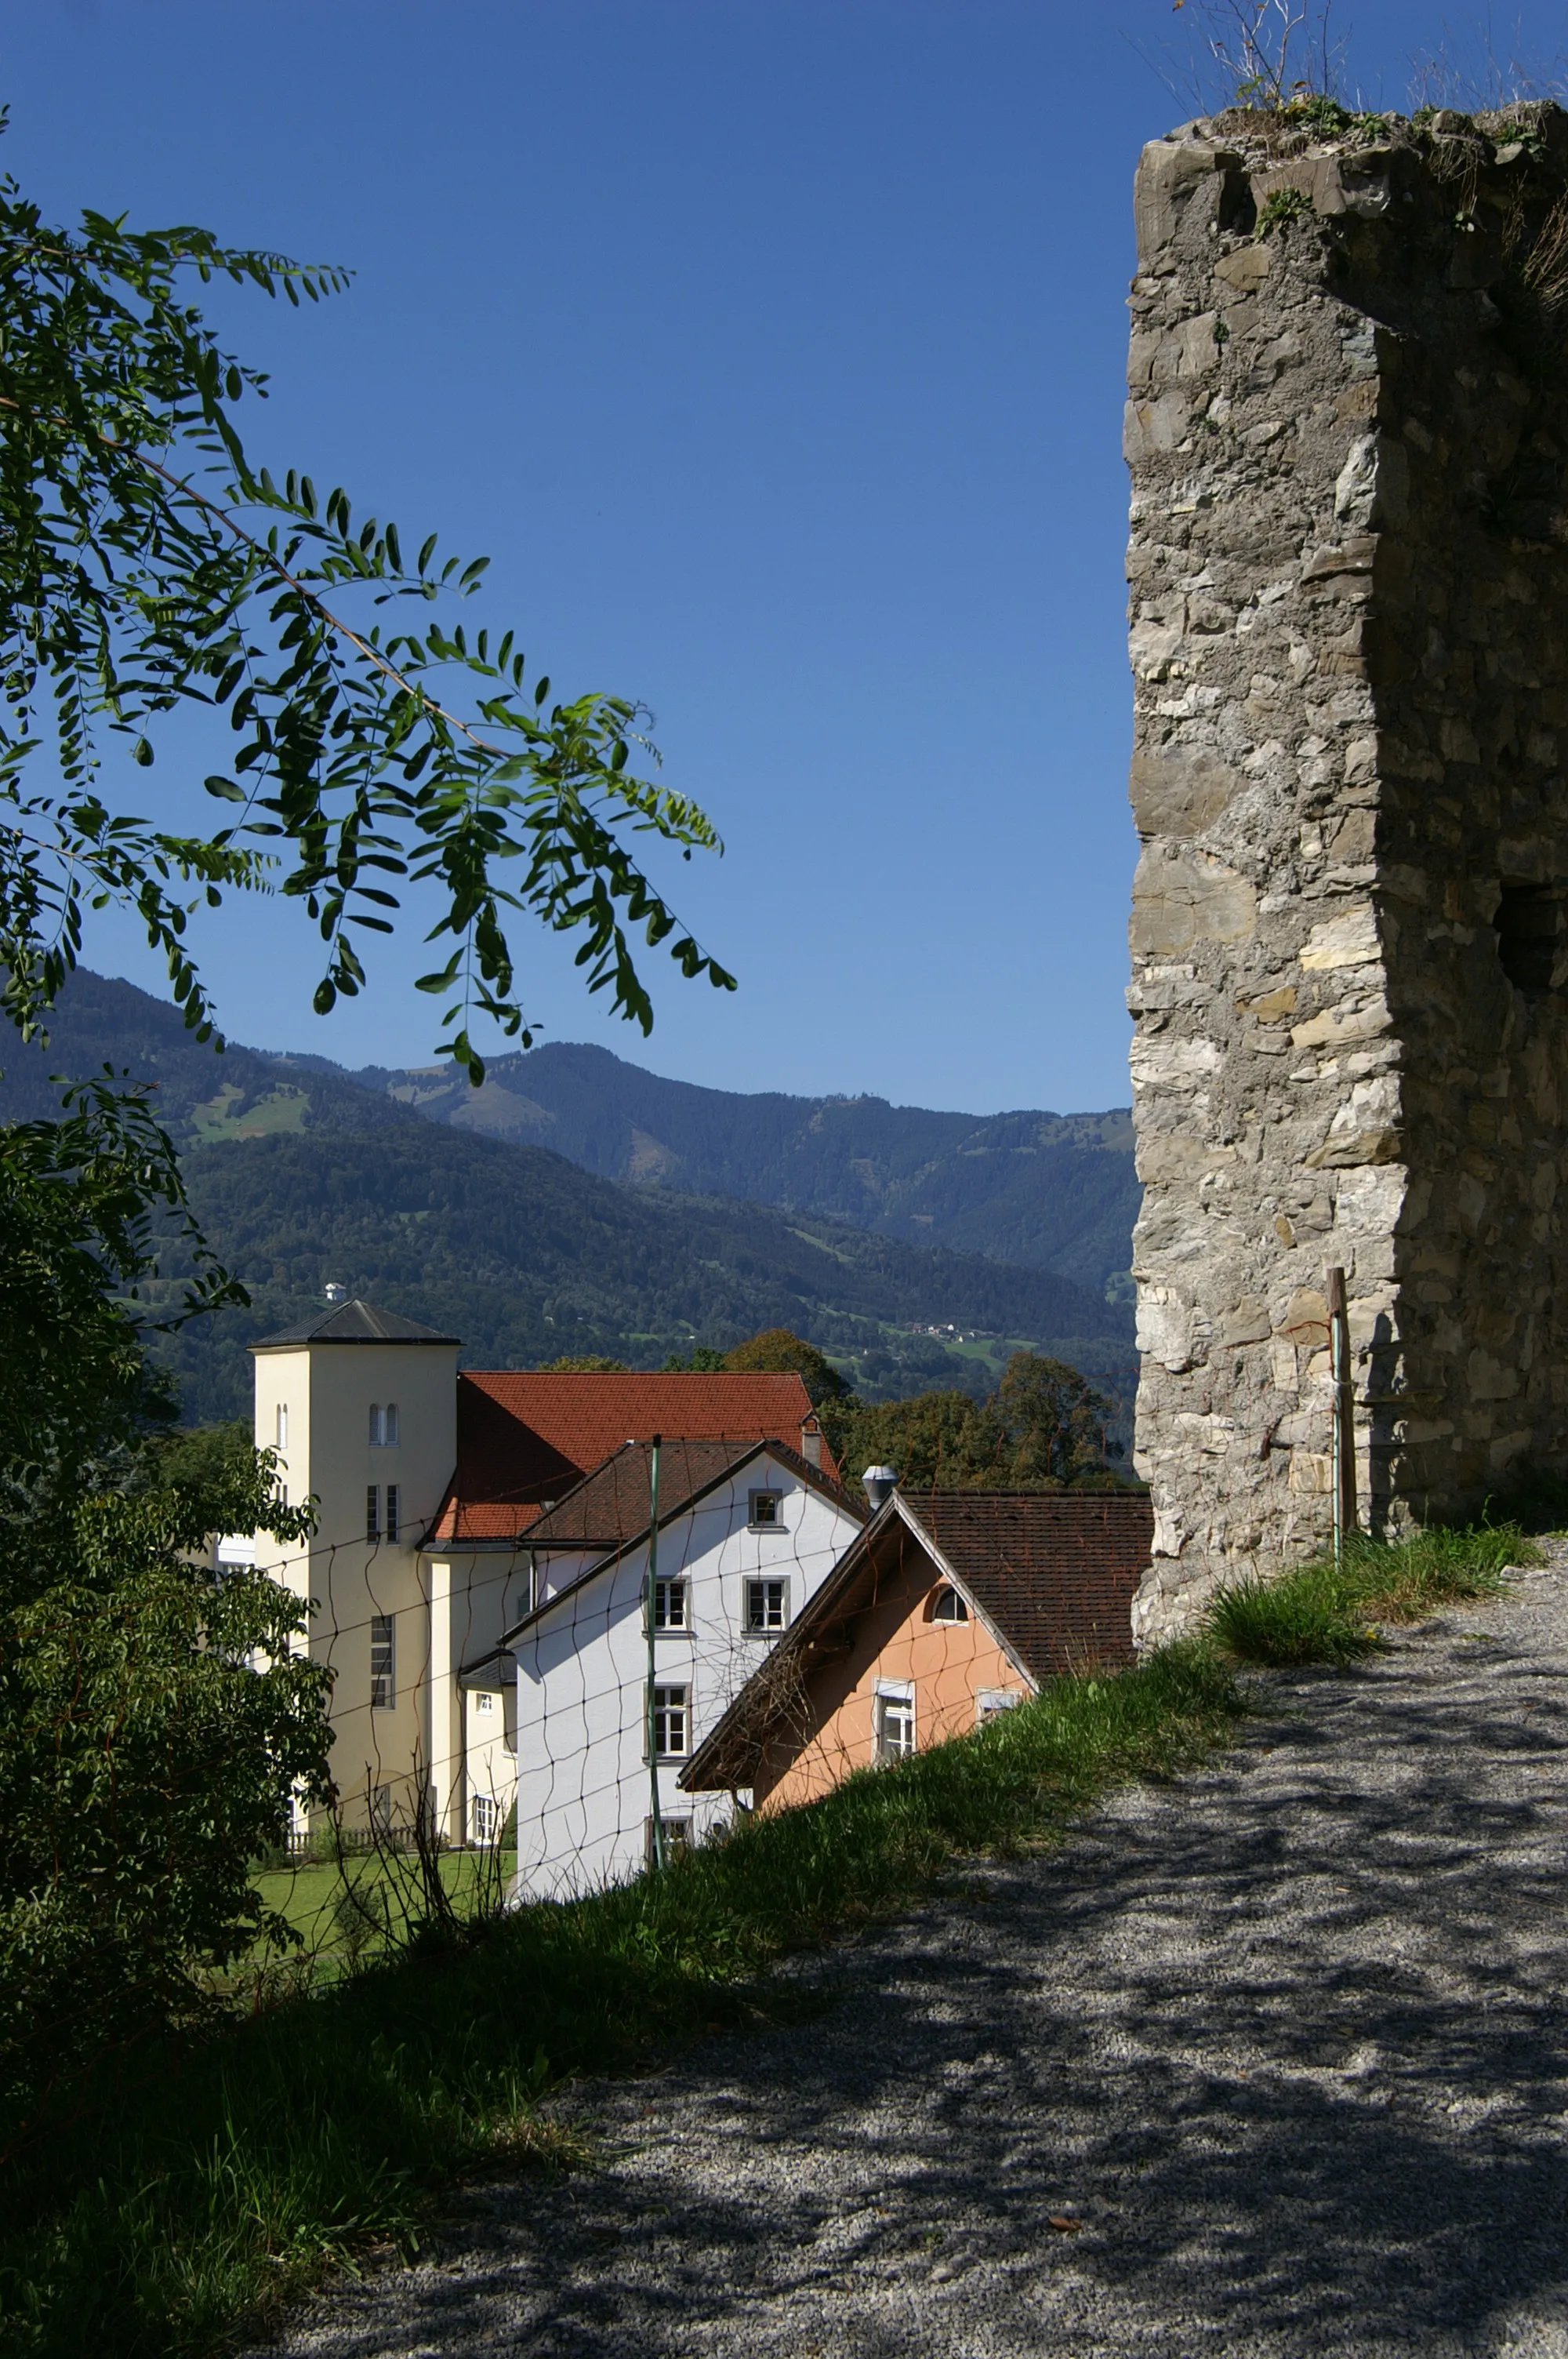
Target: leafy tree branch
x: 146, y: 565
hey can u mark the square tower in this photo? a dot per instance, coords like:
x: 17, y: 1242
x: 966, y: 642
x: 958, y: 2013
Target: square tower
x: 361, y: 1406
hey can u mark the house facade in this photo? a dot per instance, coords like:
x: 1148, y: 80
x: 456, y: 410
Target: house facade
x: 429, y: 1483
x: 942, y: 1613
x: 743, y: 1538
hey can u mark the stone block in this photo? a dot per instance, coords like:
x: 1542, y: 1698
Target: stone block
x: 1183, y: 898
x: 1179, y: 791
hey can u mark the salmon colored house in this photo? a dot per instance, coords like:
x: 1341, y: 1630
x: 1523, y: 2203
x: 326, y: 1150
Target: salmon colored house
x: 940, y: 1615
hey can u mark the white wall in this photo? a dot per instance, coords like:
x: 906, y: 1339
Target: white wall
x: 583, y: 1781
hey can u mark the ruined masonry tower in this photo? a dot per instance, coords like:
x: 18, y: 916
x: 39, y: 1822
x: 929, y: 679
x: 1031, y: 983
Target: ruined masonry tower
x: 1348, y: 437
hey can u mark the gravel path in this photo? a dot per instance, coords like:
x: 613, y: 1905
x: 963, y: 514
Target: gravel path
x: 1271, y: 2062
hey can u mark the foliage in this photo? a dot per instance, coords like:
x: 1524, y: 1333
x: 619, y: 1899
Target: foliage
x: 153, y: 1724
x: 1043, y: 1427
x: 143, y: 1762
x: 84, y: 1205
x: 224, y: 2178
x: 778, y: 1351
x: 1324, y: 1613
x: 147, y: 565
x: 586, y: 1363
x: 700, y: 1360
x: 1284, y: 205
x: 201, y: 1456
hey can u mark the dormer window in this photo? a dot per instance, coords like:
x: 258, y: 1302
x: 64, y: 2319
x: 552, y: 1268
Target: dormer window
x: 383, y: 1426
x: 947, y: 1605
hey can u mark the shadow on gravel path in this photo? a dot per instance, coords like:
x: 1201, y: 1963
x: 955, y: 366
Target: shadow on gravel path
x: 1274, y: 2061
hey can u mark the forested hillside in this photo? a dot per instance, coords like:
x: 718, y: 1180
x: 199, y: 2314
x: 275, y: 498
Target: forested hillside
x: 300, y: 1174
x: 528, y: 1258
x: 1046, y: 1191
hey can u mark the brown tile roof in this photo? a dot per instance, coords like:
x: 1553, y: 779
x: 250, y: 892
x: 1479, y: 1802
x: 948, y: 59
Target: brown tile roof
x: 611, y: 1508
x: 1056, y: 1571
x: 526, y: 1436
x: 1053, y: 1571
x: 613, y: 1504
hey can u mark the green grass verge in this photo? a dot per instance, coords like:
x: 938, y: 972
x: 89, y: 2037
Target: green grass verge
x: 212, y: 2183
x: 1324, y: 1613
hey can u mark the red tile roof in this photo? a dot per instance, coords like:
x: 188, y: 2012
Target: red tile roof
x: 526, y: 1436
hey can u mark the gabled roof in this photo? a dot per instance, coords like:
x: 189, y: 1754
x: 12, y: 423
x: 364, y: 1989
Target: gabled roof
x: 1043, y: 1563
x: 687, y: 1471
x: 1052, y: 1572
x: 352, y: 1322
x: 526, y: 1436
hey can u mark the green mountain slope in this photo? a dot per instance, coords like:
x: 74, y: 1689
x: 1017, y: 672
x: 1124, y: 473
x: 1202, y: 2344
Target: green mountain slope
x: 526, y: 1257
x: 1047, y: 1191
x: 390, y: 1185
x: 1052, y: 1191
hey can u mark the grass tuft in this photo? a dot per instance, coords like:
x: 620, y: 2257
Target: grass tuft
x: 1322, y: 1612
x: 210, y: 2184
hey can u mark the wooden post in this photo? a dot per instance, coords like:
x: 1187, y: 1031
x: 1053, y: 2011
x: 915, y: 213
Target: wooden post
x: 1344, y: 1415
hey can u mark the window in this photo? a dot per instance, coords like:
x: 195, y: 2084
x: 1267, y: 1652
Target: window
x: 992, y: 1700
x: 895, y: 1725
x: 669, y: 1606
x: 382, y: 1664
x: 486, y: 1816
x: 391, y: 1529
x: 671, y: 1723
x: 280, y: 1425
x: 383, y: 1426
x: 677, y: 1834
x: 947, y: 1605
x: 767, y: 1510
x: 484, y: 1703
x: 373, y: 1512
x: 767, y: 1606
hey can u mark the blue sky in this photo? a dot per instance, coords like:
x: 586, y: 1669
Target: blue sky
x: 774, y: 350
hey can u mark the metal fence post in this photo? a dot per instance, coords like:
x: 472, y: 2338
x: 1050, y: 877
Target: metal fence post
x: 657, y: 1820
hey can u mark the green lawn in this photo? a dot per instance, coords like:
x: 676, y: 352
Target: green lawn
x: 310, y: 1893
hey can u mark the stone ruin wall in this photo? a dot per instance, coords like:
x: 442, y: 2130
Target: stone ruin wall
x: 1349, y: 573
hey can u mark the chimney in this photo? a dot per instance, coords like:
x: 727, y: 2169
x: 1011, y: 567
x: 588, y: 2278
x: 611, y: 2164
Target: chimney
x: 881, y: 1483
x: 811, y: 1442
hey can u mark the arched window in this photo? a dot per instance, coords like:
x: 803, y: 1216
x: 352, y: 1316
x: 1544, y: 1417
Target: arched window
x: 282, y: 1426
x: 383, y: 1426
x: 947, y: 1605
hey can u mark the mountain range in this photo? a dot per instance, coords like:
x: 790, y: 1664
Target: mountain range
x: 629, y: 1233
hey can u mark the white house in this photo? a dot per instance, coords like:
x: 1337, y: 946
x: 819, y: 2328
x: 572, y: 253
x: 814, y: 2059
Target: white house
x: 746, y: 1533
x: 430, y: 1484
